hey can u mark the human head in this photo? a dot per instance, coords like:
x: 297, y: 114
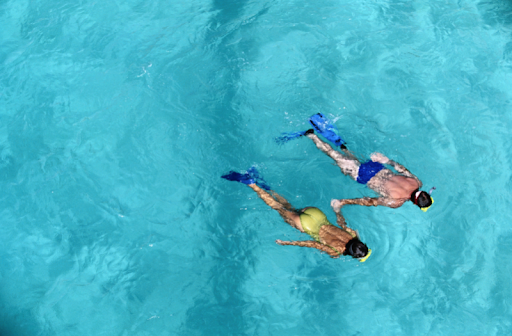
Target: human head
x: 357, y: 249
x: 422, y: 199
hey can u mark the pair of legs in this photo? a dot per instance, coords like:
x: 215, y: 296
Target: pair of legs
x: 281, y: 205
x: 348, y: 163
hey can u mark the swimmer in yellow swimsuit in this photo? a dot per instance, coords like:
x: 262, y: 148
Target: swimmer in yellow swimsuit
x: 328, y: 238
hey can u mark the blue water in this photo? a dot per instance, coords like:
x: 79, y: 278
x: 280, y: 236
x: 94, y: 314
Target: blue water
x: 118, y: 118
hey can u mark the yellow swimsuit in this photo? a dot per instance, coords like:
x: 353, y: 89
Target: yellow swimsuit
x: 312, y: 219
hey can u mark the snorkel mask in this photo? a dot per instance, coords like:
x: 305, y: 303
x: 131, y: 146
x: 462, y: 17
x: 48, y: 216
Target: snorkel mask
x: 363, y: 259
x: 416, y: 194
x: 351, y: 251
x: 426, y: 208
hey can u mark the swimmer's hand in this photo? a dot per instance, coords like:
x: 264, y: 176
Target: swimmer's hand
x: 280, y: 242
x: 337, y: 204
x: 309, y: 131
x: 378, y: 157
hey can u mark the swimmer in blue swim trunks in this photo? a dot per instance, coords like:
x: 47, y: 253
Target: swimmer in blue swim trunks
x: 331, y: 239
x: 394, y: 189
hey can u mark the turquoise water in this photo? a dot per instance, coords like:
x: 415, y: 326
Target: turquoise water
x: 117, y: 120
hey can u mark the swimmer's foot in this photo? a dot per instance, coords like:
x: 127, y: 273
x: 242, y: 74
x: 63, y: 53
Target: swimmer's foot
x: 325, y: 128
x: 255, y: 175
x: 312, y: 131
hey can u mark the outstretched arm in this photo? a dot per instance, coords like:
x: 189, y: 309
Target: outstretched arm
x: 340, y: 220
x: 310, y: 243
x: 378, y: 157
x: 375, y: 201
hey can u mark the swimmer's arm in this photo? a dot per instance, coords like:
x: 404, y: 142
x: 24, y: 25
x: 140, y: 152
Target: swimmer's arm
x: 373, y: 201
x: 310, y: 243
x: 336, y: 207
x: 366, y: 201
x: 340, y: 220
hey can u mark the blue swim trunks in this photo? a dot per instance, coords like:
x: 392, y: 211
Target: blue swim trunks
x: 368, y: 170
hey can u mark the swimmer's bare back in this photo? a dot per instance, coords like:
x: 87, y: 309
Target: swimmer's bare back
x: 390, y: 185
x: 394, y: 189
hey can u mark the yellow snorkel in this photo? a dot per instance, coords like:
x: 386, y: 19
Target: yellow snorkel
x: 366, y: 256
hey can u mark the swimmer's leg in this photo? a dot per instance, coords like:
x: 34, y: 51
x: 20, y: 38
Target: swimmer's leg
x: 283, y: 201
x: 348, y: 153
x: 290, y: 217
x: 348, y: 164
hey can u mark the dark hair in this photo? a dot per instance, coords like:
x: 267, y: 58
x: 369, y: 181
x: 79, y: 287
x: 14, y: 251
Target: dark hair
x: 356, y: 248
x: 423, y: 201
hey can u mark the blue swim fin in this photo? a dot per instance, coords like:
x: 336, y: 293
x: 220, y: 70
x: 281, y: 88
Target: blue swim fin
x: 237, y: 177
x: 285, y: 137
x: 250, y: 177
x: 257, y: 178
x: 326, y: 129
